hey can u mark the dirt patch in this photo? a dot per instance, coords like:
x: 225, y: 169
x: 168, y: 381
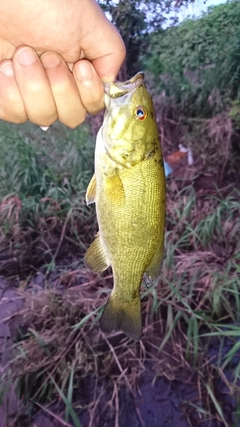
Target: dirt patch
x: 117, y: 382
x: 10, y: 304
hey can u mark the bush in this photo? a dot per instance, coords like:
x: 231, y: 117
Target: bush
x: 197, y: 62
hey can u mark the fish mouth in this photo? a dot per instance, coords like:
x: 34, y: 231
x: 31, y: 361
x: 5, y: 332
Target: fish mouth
x: 118, y: 89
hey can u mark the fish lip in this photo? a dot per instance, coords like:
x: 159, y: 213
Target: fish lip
x: 118, y: 89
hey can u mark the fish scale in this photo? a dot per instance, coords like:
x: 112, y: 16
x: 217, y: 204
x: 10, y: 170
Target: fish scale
x: 128, y: 188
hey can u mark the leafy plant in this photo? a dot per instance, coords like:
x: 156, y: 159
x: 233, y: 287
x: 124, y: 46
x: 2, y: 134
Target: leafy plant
x: 197, y: 62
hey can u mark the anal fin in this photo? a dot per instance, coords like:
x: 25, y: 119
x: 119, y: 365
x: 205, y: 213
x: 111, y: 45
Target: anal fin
x: 153, y: 270
x: 95, y: 258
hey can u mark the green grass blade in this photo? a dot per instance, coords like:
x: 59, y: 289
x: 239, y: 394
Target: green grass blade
x: 68, y: 404
x: 216, y: 404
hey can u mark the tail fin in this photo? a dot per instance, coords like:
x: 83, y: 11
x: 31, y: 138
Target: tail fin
x: 122, y: 315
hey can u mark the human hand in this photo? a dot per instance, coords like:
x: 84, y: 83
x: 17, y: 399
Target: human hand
x: 78, y: 48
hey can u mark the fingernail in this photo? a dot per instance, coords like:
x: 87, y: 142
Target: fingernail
x: 50, y: 60
x: 26, y: 56
x: 7, y: 69
x: 84, y: 72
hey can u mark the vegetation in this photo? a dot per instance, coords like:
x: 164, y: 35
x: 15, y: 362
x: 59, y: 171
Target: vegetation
x: 62, y: 365
x: 135, y: 20
x: 191, y: 323
x: 194, y: 67
x: 42, y: 189
x: 198, y: 61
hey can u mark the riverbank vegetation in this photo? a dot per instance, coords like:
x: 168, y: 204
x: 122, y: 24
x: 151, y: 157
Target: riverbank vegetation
x: 62, y: 365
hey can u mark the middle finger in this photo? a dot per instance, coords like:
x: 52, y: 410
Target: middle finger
x: 34, y: 87
x: 70, y: 108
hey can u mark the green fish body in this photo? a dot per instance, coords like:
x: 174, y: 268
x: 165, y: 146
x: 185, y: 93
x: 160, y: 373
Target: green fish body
x: 128, y: 188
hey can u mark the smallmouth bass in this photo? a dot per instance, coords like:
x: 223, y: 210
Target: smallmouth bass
x: 129, y: 191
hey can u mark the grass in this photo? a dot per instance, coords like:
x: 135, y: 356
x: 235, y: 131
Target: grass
x: 191, y: 317
x: 42, y: 189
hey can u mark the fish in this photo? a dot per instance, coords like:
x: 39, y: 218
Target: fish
x: 129, y: 191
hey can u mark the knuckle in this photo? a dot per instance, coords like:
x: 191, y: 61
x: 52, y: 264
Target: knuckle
x: 95, y: 109
x: 43, y: 121
x: 12, y: 108
x: 73, y: 124
x: 12, y: 115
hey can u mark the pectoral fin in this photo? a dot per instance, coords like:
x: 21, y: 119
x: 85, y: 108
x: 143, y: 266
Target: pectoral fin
x: 114, y: 189
x: 95, y: 258
x: 91, y: 191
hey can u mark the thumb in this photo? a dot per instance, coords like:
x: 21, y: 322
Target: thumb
x: 104, y: 47
x: 109, y: 62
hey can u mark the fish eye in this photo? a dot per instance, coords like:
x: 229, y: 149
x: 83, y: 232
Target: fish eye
x: 141, y: 113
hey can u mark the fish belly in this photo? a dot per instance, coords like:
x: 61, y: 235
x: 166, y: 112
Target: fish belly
x: 130, y: 208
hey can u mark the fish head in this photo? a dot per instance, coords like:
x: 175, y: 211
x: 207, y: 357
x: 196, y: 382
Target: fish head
x: 129, y: 127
